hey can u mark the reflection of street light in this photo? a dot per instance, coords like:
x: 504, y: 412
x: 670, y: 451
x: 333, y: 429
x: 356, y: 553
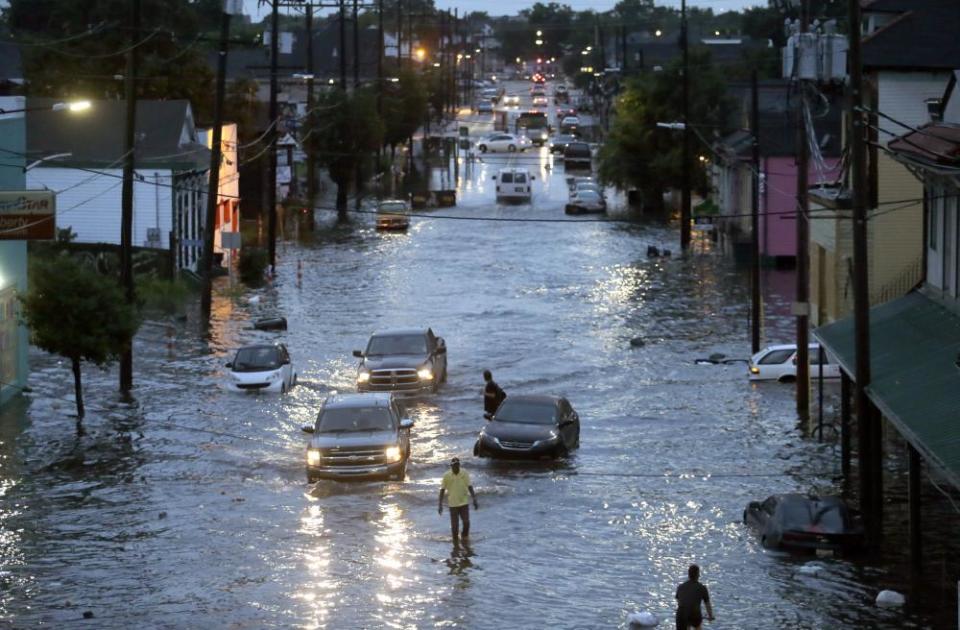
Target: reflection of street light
x: 420, y: 53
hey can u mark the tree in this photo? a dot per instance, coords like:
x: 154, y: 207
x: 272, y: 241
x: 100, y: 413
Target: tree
x: 638, y: 154
x: 404, y: 108
x: 79, y: 314
x: 351, y: 132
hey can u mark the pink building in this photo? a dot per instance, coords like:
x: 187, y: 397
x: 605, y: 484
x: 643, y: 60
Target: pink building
x: 778, y: 198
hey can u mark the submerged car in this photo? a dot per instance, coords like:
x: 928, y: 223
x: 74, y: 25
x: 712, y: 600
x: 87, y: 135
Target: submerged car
x: 393, y: 214
x: 359, y: 436
x: 779, y: 363
x: 586, y: 202
x: 262, y: 368
x: 404, y: 360
x: 795, y: 521
x: 530, y: 427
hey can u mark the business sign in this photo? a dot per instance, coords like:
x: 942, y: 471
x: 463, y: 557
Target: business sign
x: 27, y: 215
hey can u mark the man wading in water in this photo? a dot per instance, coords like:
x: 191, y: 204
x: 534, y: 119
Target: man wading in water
x: 456, y: 485
x: 689, y: 596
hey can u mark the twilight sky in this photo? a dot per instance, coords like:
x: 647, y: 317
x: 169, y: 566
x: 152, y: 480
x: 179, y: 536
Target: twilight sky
x: 510, y: 7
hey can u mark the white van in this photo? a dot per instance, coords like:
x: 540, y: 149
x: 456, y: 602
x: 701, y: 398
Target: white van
x: 514, y: 184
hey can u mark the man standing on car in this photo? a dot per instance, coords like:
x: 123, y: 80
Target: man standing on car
x: 493, y: 394
x: 689, y: 596
x: 456, y: 485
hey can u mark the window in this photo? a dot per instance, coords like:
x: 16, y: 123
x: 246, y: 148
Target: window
x: 776, y: 357
x: 521, y: 178
x: 506, y: 178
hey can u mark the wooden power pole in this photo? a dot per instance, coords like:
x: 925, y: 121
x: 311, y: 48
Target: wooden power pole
x: 685, y: 168
x: 126, y: 201
x: 274, y: 123
x: 802, y: 306
x: 756, y: 306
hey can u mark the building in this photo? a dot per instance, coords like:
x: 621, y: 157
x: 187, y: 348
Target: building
x: 732, y: 172
x: 81, y: 158
x: 909, y: 50
x: 228, y: 191
x: 14, y: 342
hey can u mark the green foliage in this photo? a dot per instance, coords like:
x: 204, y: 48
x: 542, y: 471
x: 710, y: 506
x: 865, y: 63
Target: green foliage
x: 404, y: 105
x: 638, y: 154
x: 253, y: 263
x: 165, y: 296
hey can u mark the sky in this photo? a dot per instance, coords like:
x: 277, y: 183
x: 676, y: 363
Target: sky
x: 511, y: 7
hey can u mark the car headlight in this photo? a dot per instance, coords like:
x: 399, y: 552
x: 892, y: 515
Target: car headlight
x: 363, y: 376
x: 392, y: 453
x: 425, y: 374
x: 313, y: 457
x: 543, y: 136
x: 548, y: 440
x: 754, y: 369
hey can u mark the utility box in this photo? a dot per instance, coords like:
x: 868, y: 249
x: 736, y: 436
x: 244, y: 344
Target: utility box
x: 832, y: 56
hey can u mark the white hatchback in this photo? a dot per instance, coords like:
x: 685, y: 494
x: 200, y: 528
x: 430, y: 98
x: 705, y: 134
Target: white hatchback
x: 779, y: 363
x: 262, y: 368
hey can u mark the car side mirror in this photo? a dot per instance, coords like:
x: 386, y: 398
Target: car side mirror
x: 358, y: 354
x: 307, y: 429
x: 406, y: 423
x: 230, y: 364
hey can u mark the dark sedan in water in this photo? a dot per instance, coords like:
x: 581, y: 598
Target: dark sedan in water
x: 798, y: 522
x: 530, y: 427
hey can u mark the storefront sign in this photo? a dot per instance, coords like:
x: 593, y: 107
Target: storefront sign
x: 27, y: 215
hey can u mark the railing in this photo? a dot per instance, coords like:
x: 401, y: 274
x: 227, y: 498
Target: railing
x: 909, y: 279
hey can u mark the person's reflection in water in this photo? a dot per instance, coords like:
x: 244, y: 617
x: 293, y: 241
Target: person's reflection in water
x: 459, y: 560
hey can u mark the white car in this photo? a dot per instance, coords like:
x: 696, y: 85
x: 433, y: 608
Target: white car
x: 569, y: 122
x: 586, y: 185
x: 779, y: 363
x: 393, y: 214
x: 586, y: 202
x: 504, y: 142
x: 262, y: 368
x: 513, y: 184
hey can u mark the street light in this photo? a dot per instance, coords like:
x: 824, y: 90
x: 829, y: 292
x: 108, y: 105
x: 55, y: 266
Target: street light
x: 539, y: 42
x: 539, y: 33
x: 658, y: 32
x: 420, y: 53
x: 518, y: 59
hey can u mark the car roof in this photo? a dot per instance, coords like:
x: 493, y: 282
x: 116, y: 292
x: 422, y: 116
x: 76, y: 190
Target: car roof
x: 373, y: 399
x: 514, y: 170
x: 534, y: 398
x: 257, y: 346
x: 400, y: 331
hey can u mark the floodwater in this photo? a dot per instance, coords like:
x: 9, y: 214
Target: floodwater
x: 192, y: 510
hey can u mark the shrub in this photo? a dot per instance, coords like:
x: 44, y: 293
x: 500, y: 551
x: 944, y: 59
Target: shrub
x: 253, y: 264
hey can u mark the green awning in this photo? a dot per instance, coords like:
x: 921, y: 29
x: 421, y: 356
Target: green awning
x: 915, y: 376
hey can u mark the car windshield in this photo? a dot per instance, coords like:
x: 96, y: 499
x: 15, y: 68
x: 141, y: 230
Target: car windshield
x: 587, y: 195
x: 257, y: 359
x: 578, y: 149
x: 397, y: 344
x: 526, y: 412
x: 393, y: 207
x: 506, y: 178
x: 344, y: 419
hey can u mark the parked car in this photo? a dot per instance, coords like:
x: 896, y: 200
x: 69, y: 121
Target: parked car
x: 514, y: 184
x: 560, y: 141
x: 484, y: 106
x: 504, y: 142
x: 575, y: 180
x: 359, y: 436
x: 586, y: 202
x: 393, y: 214
x: 794, y: 521
x: 577, y: 155
x: 569, y: 124
x: 262, y: 368
x: 403, y: 360
x: 779, y: 363
x: 511, y: 100
x: 527, y: 427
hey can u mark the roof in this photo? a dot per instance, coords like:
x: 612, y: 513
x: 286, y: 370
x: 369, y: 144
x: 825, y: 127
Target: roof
x: 922, y: 38
x: 915, y: 369
x: 534, y: 398
x: 935, y: 143
x: 166, y: 136
x: 375, y: 399
x: 400, y: 331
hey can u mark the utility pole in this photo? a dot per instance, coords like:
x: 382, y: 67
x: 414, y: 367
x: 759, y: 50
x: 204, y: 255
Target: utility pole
x: 870, y: 481
x: 311, y: 122
x: 755, y: 303
x: 342, y: 46
x: 685, y: 167
x: 126, y: 217
x: 356, y: 45
x: 399, y: 35
x: 802, y: 307
x: 623, y: 50
x: 274, y: 122
x: 213, y: 188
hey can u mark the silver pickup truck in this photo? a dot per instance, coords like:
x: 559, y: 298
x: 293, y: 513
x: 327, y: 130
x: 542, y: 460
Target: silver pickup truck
x: 359, y: 436
x: 403, y: 361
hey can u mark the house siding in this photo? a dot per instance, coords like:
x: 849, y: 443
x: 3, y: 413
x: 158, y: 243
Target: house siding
x: 90, y: 204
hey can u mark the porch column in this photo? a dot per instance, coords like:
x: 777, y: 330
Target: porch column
x: 845, y: 423
x: 916, y: 550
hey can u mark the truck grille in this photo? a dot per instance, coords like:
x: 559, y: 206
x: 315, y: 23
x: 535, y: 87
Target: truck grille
x: 361, y: 456
x: 394, y: 380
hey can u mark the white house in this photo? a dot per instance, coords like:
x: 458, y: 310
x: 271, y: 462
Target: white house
x: 81, y: 158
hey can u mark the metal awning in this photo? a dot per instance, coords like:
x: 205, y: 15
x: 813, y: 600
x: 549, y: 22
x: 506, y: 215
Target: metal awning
x: 915, y: 373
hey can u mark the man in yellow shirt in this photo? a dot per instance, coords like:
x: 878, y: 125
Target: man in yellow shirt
x: 456, y: 485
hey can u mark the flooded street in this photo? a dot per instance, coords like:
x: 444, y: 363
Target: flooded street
x: 193, y: 509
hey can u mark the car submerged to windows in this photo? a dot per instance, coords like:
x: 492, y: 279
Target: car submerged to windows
x: 404, y: 361
x: 798, y: 522
x: 359, y: 436
x: 530, y: 427
x: 262, y: 368
x: 779, y: 363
